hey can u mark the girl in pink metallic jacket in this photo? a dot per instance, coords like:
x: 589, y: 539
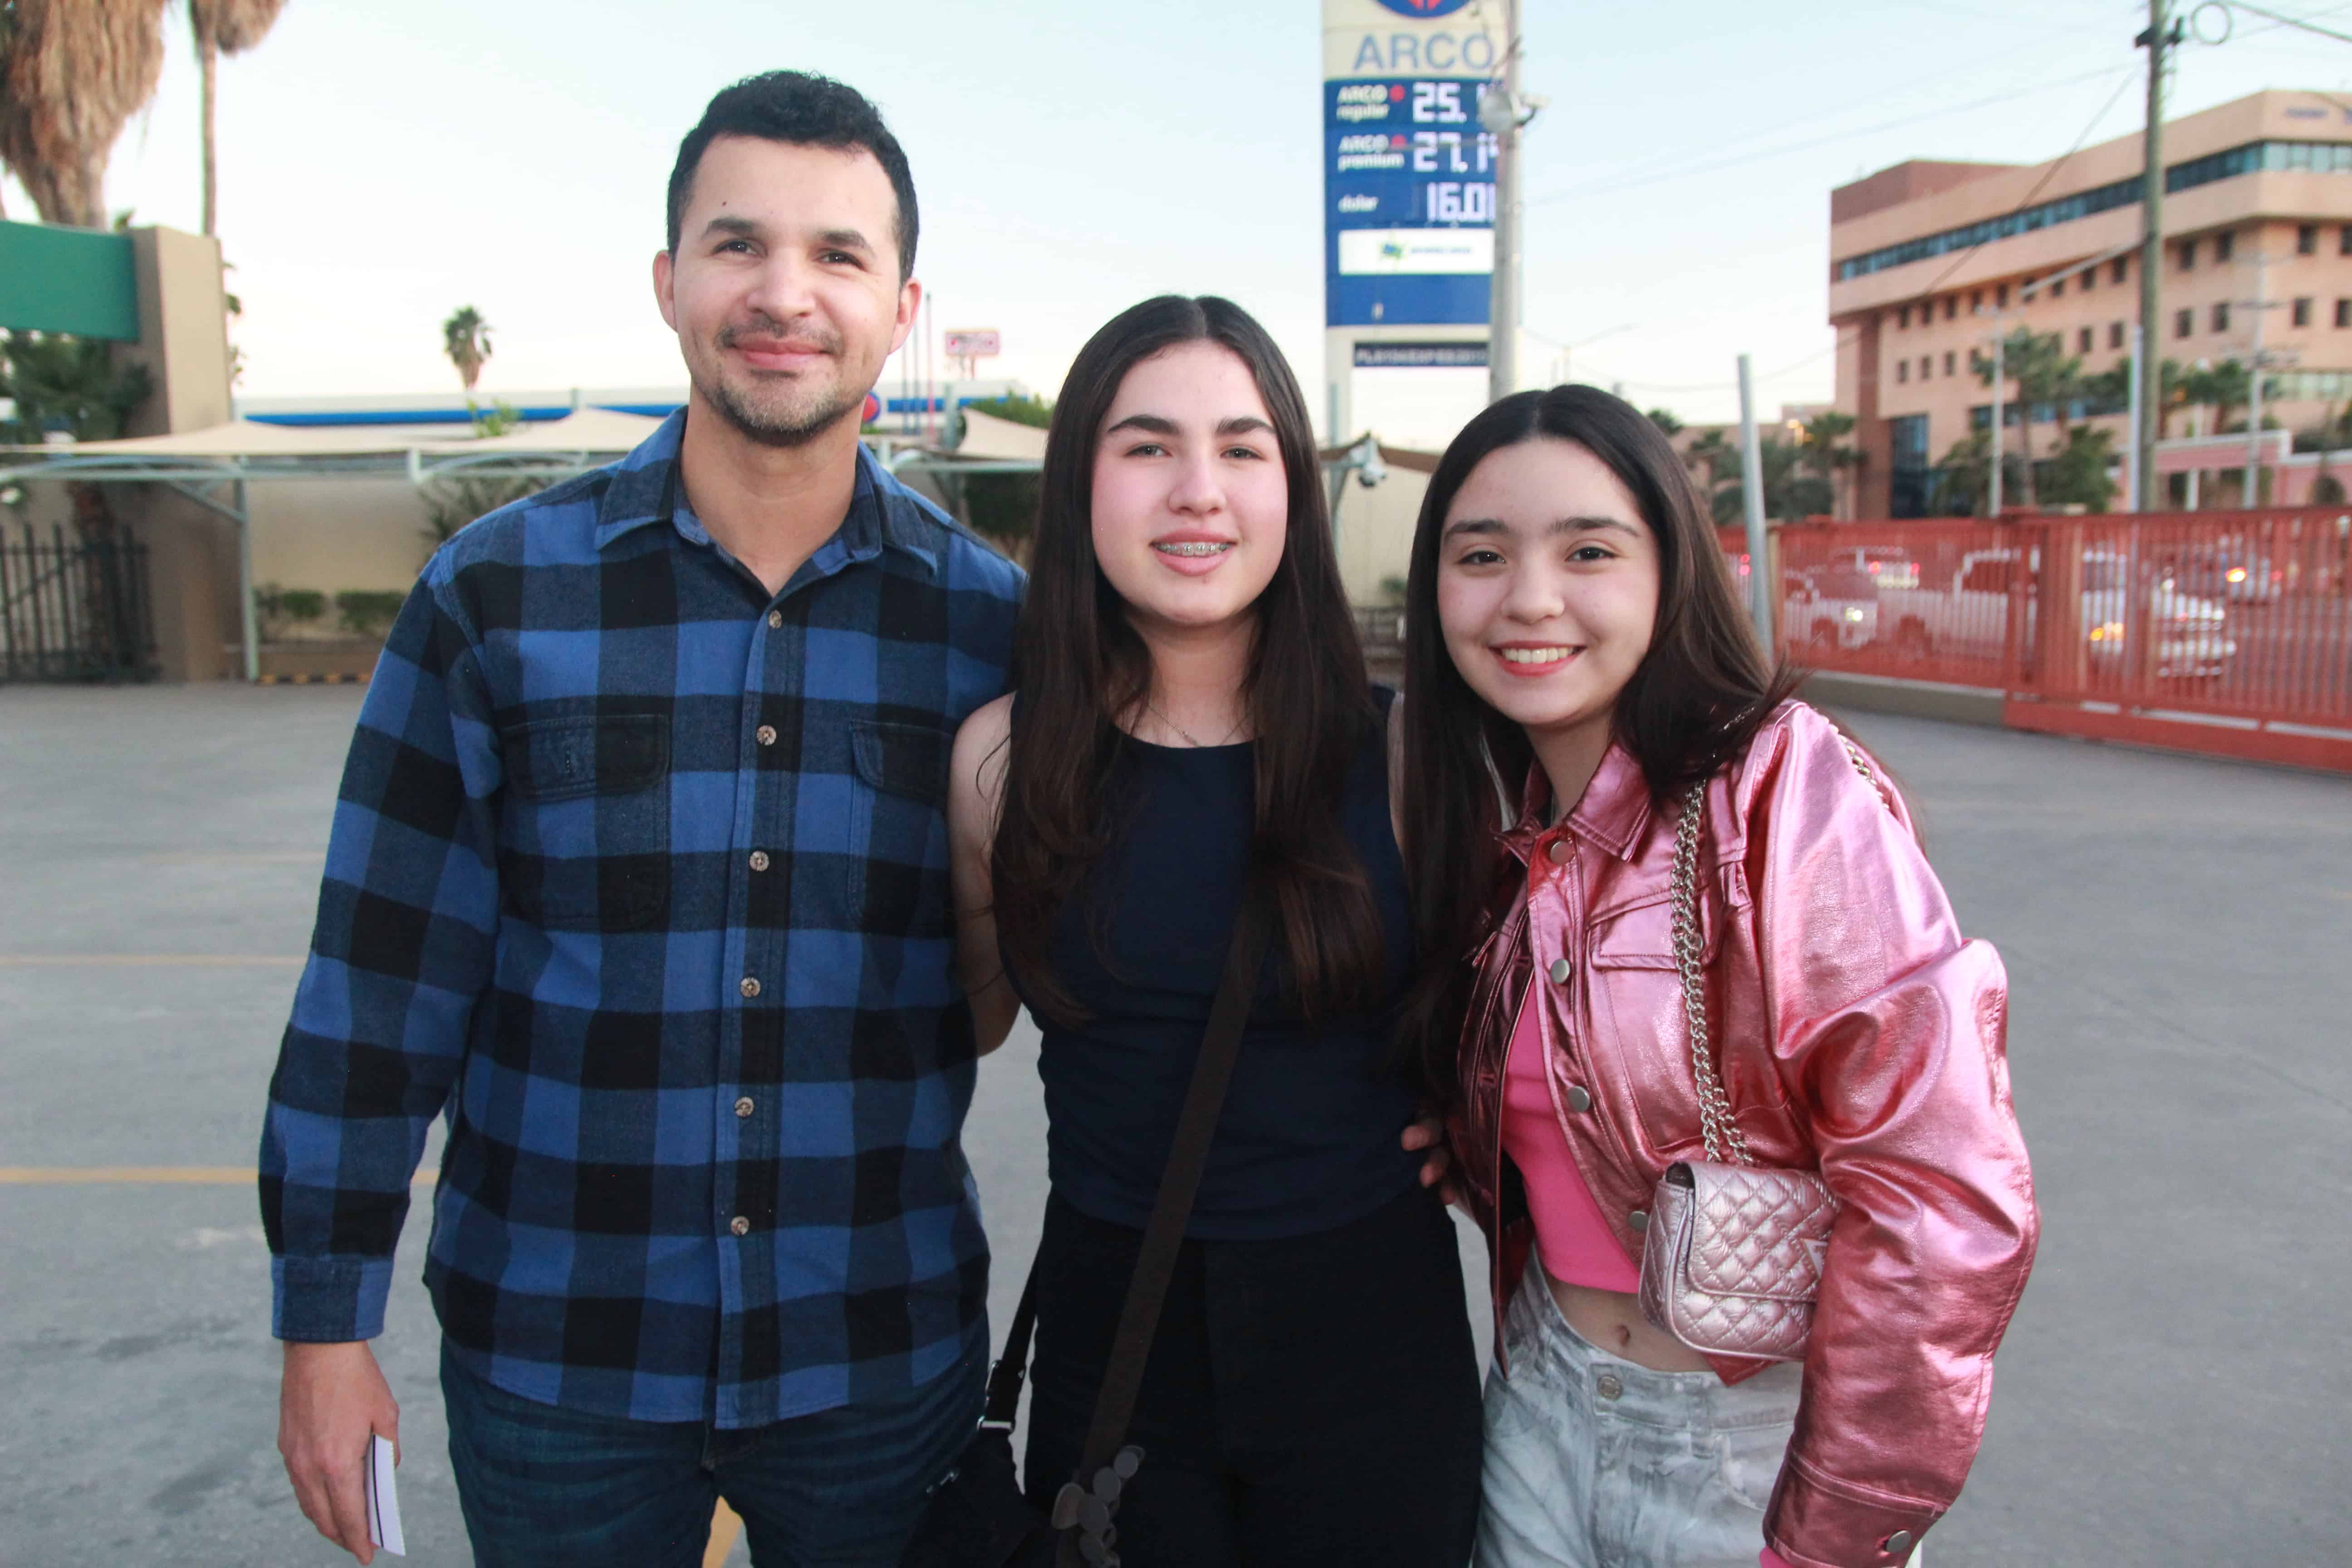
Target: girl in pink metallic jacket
x: 1577, y: 660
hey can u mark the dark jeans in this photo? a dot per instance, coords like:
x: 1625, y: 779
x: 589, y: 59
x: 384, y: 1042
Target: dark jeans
x: 1309, y: 1401
x: 548, y: 1488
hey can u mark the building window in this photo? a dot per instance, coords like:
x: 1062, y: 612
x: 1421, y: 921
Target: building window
x: 1947, y: 362
x: 2344, y: 313
x: 2222, y: 317
x: 1926, y: 367
x: 2082, y: 341
x: 1976, y: 296
x: 1903, y: 370
x: 2058, y: 289
x: 2115, y: 274
x: 2187, y: 253
x: 1903, y: 316
x: 2344, y: 241
x: 2000, y: 297
x: 2115, y: 334
x: 2183, y: 322
x: 2090, y: 278
x: 1951, y: 306
x: 2307, y: 240
x: 2303, y: 312
x: 2225, y: 245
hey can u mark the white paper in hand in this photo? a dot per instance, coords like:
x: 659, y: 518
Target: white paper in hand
x: 383, y: 1498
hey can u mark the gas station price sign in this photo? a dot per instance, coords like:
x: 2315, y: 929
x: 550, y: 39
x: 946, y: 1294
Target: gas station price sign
x: 1408, y: 186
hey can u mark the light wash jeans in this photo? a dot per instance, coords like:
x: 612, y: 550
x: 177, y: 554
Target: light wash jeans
x: 1594, y: 1462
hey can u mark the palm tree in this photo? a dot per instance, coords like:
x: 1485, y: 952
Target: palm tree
x: 2045, y: 373
x: 224, y: 28
x: 72, y: 73
x: 1819, y: 446
x: 466, y: 339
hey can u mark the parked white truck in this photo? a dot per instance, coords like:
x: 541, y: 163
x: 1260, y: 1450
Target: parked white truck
x: 1969, y: 618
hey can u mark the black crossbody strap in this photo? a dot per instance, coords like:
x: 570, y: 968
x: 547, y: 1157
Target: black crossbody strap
x: 1155, y: 1266
x: 1004, y: 1406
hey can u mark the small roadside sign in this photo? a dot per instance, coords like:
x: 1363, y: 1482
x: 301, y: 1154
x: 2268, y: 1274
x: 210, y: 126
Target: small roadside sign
x: 977, y: 342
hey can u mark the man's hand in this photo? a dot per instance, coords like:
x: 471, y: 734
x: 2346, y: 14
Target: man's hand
x: 331, y: 1402
x: 1429, y: 1132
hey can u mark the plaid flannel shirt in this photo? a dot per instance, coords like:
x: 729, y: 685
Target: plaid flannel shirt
x: 639, y: 876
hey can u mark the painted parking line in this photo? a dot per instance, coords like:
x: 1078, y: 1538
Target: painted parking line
x: 143, y: 1175
x: 724, y: 1528
x: 149, y: 960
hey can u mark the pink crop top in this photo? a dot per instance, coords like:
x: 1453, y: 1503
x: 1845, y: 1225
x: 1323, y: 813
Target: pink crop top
x: 1573, y: 1242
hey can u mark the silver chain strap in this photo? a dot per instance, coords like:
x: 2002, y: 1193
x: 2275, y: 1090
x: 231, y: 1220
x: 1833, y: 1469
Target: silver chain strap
x: 1724, y: 1138
x: 1716, y: 1125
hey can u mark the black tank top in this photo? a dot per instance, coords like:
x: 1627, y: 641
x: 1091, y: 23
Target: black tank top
x: 1307, y: 1139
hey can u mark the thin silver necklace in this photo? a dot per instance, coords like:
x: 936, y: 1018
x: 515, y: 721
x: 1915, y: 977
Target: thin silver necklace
x: 1191, y: 739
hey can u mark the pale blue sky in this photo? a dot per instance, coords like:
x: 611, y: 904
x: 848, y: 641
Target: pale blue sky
x: 383, y: 165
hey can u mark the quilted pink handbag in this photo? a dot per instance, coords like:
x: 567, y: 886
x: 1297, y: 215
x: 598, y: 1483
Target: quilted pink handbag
x: 1732, y: 1258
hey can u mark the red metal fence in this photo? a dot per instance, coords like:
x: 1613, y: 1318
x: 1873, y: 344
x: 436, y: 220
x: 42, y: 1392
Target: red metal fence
x: 2225, y: 632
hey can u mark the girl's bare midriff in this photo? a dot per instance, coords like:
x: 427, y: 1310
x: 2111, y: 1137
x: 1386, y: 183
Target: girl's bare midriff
x: 1612, y: 1321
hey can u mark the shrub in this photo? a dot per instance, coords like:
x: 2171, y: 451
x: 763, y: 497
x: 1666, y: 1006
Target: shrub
x: 368, y: 612
x: 277, y: 609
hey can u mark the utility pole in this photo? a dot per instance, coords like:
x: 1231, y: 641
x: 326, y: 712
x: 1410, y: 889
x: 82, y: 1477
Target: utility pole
x: 2135, y: 478
x: 1999, y: 376
x: 2163, y: 33
x: 1751, y: 495
x: 2261, y: 305
x: 1504, y: 114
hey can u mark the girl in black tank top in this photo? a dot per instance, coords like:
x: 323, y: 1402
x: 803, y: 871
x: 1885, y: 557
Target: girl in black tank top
x: 1191, y: 717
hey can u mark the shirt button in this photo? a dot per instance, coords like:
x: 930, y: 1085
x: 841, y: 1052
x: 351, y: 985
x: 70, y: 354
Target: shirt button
x: 739, y: 1226
x: 1578, y: 1098
x: 1559, y: 852
x: 1609, y: 1387
x: 759, y: 859
x: 775, y: 620
x: 1560, y: 972
x: 743, y: 1105
x: 1899, y: 1544
x: 750, y: 986
x: 1639, y: 1221
x: 766, y: 734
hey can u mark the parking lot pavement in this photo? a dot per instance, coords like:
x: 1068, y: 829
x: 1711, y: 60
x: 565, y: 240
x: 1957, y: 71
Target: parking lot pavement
x: 2174, y: 1389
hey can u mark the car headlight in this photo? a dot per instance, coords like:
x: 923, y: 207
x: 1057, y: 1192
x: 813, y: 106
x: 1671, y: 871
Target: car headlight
x: 1854, y: 614
x: 2107, y: 631
x: 2237, y: 573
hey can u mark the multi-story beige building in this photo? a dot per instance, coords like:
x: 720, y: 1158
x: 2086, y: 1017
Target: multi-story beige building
x: 1929, y: 260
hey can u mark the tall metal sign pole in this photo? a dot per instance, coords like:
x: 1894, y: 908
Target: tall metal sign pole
x: 2162, y: 34
x: 1410, y: 175
x: 1501, y: 115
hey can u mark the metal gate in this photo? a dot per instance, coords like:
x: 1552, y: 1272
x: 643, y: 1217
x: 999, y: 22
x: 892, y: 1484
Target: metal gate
x: 70, y: 611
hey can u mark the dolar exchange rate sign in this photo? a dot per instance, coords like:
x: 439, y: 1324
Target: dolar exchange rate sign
x: 1408, y: 186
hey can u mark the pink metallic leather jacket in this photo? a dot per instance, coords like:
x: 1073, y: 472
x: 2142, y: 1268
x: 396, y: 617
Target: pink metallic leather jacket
x: 1856, y: 1031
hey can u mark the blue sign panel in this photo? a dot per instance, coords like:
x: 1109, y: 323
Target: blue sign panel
x: 1409, y: 202
x: 1424, y: 8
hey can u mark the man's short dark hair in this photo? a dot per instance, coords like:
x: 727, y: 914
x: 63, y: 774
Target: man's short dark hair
x: 802, y: 110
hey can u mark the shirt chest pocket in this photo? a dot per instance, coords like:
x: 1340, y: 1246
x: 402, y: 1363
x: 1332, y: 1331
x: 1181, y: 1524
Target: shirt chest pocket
x: 584, y: 842
x: 898, y: 828
x: 1637, y: 1001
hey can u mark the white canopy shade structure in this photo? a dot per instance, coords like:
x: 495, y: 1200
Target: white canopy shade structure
x: 212, y: 467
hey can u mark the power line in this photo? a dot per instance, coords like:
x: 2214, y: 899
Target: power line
x: 1626, y: 182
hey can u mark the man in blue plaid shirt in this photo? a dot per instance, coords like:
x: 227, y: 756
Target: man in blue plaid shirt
x: 639, y: 874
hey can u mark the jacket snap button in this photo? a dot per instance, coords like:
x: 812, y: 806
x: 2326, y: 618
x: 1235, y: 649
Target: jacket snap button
x: 1559, y: 852
x: 1578, y: 1098
x: 1638, y: 1220
x: 1561, y: 970
x: 1899, y: 1544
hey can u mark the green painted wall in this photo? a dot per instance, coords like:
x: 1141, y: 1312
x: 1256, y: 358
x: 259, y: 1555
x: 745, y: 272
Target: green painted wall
x: 77, y: 280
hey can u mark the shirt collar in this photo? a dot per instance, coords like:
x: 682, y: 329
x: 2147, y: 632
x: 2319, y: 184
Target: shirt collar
x: 1612, y: 814
x: 645, y: 489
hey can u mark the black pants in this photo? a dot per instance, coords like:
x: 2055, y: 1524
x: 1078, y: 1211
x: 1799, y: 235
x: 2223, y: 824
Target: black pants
x: 1307, y: 1401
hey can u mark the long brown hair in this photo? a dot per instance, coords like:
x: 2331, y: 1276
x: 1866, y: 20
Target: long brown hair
x: 1078, y: 665
x: 1692, y: 705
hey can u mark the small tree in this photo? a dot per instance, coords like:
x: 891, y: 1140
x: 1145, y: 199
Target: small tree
x: 2078, y: 472
x: 466, y: 339
x: 1821, y: 449
x: 1664, y: 420
x: 2045, y: 373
